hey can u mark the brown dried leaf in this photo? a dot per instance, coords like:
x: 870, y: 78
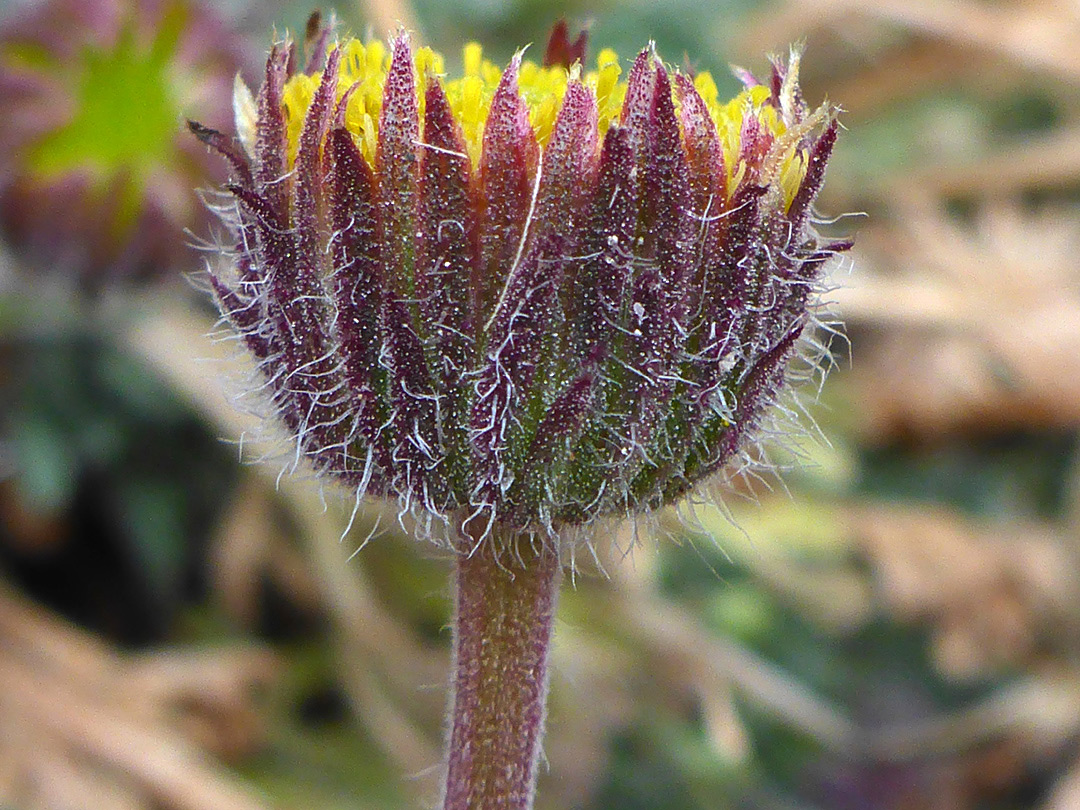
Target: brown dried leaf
x: 994, y: 595
x: 1065, y: 794
x: 79, y: 716
x: 1039, y: 34
x: 970, y: 327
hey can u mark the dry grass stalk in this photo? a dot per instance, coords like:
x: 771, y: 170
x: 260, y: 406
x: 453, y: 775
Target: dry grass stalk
x: 995, y: 596
x: 1040, y: 34
x: 385, y: 670
x: 966, y: 326
x: 129, y: 731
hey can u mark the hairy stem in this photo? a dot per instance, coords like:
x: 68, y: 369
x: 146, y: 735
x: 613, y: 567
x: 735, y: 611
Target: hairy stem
x: 502, y: 632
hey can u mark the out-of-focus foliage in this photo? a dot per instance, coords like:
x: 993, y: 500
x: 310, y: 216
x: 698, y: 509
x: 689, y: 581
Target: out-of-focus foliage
x: 98, y: 445
x: 96, y: 177
x: 895, y: 629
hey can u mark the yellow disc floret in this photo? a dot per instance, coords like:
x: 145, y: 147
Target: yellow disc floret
x: 364, y: 67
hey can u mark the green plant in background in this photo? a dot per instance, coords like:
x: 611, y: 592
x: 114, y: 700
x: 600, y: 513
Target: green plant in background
x: 128, y: 478
x: 96, y: 174
x: 521, y: 303
x: 97, y: 185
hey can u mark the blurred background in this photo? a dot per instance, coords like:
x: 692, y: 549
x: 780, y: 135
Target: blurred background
x: 896, y: 627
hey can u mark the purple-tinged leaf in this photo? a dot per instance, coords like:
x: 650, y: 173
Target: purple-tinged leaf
x: 777, y: 74
x: 447, y: 228
x: 292, y: 64
x: 446, y: 255
x: 508, y: 170
x: 603, y: 279
x: 745, y: 77
x: 567, y: 183
x: 527, y: 340
x: 309, y: 214
x: 514, y: 352
x: 304, y: 311
x: 668, y: 215
x: 756, y: 141
x: 708, y: 194
x: 417, y: 447
x: 704, y: 155
x: 637, y: 109
x: 271, y: 154
x: 551, y: 445
x: 357, y: 284
x: 602, y: 314
x: 569, y: 164
x: 246, y: 316
x: 777, y: 79
x: 656, y: 320
x: 413, y: 399
x: 820, y: 152
x: 756, y: 392
x: 396, y: 168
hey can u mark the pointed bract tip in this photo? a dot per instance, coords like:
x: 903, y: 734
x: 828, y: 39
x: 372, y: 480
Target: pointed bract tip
x: 401, y: 44
x: 203, y: 133
x: 745, y: 77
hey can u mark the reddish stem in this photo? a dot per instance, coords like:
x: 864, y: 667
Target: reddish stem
x: 502, y: 632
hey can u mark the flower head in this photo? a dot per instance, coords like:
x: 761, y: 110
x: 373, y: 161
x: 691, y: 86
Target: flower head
x: 96, y: 172
x: 532, y: 296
